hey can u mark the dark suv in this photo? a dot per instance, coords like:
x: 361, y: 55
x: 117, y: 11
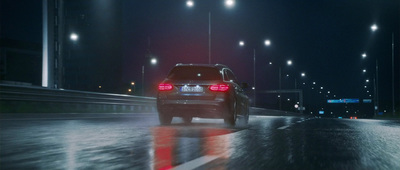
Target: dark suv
x: 204, y: 91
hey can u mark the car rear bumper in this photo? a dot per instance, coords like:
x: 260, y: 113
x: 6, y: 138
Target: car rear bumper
x: 193, y: 108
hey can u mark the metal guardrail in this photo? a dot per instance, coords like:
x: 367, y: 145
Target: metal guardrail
x: 270, y: 112
x: 13, y: 98
x: 31, y: 99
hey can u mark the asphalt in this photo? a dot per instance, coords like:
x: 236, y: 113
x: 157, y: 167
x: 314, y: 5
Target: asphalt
x: 137, y: 141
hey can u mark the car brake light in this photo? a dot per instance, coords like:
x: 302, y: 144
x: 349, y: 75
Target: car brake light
x: 164, y: 87
x: 219, y: 87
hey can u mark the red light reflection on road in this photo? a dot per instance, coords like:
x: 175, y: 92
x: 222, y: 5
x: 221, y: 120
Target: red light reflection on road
x: 213, y: 142
x: 164, y: 143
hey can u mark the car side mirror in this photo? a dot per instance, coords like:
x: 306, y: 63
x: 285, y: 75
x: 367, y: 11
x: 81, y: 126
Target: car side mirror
x: 245, y: 85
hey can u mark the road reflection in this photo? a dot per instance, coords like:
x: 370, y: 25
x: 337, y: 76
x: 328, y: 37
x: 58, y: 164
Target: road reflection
x: 187, y: 145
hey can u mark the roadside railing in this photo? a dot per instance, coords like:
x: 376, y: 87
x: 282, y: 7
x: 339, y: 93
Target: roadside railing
x: 30, y: 99
x: 270, y: 112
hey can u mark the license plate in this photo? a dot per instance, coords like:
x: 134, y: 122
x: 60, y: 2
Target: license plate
x: 191, y: 89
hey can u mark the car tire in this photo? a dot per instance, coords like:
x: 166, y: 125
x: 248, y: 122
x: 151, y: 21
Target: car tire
x: 187, y: 119
x: 165, y: 118
x: 231, y: 116
x: 243, y: 119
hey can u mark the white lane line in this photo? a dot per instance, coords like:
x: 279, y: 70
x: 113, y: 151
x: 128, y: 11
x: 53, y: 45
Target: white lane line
x: 193, y: 164
x: 283, y: 127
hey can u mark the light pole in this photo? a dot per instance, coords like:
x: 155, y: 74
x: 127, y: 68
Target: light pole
x: 153, y: 61
x: 374, y: 27
x: 134, y: 87
x: 266, y: 43
x: 228, y: 4
x: 289, y: 63
x: 74, y: 37
x: 394, y: 111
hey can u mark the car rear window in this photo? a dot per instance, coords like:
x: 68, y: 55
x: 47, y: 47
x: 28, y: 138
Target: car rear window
x: 194, y: 73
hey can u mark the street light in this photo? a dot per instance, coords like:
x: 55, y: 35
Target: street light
x: 289, y: 62
x: 153, y: 61
x: 303, y: 74
x: 229, y: 3
x: 134, y: 87
x: 74, y: 37
x: 364, y: 55
x: 267, y: 42
x: 189, y: 3
x: 242, y: 43
x: 374, y: 27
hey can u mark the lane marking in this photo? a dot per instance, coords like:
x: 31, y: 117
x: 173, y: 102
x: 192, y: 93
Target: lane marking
x: 283, y: 127
x: 300, y: 121
x: 193, y: 164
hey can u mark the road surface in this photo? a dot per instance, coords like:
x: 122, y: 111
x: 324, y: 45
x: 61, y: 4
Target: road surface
x: 136, y: 141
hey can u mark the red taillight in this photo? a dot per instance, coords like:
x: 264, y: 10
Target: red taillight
x: 164, y: 87
x: 219, y: 87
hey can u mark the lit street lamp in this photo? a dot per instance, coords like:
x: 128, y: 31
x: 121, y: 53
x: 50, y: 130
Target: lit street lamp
x: 153, y: 61
x: 189, y: 3
x: 289, y: 63
x: 241, y: 43
x: 374, y: 27
x: 266, y: 43
x: 134, y: 87
x: 74, y: 37
x: 228, y: 4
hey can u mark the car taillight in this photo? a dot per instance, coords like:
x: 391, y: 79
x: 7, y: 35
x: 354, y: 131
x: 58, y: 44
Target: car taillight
x: 219, y: 87
x: 164, y: 87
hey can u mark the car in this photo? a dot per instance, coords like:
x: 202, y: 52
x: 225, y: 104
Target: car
x: 203, y: 91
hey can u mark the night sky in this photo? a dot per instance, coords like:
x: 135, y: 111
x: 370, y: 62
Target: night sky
x: 324, y: 39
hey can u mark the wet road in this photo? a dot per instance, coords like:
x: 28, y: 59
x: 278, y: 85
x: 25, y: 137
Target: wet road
x: 136, y: 141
